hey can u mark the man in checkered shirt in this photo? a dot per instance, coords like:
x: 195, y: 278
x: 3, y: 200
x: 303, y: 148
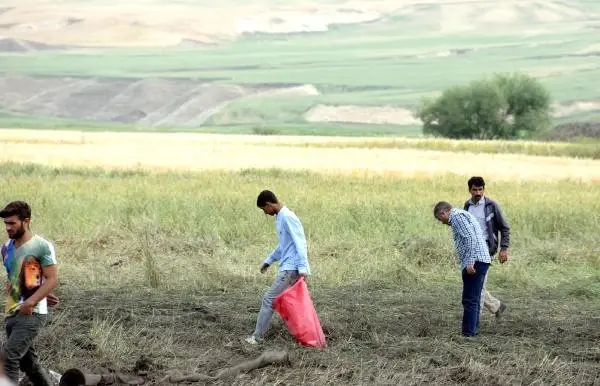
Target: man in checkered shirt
x: 474, y: 259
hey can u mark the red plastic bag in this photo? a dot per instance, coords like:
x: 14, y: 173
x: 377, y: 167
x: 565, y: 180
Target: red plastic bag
x: 295, y: 307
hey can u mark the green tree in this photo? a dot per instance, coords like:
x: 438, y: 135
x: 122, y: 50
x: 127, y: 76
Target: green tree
x: 502, y: 106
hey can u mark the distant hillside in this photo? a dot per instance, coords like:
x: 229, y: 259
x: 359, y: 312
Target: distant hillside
x: 136, y: 23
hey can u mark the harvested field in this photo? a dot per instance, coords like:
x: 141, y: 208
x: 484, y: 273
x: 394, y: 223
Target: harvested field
x: 145, y: 102
x: 197, y: 152
x: 362, y: 114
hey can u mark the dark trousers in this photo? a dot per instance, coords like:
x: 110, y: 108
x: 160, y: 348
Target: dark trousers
x: 19, y: 352
x: 471, y: 298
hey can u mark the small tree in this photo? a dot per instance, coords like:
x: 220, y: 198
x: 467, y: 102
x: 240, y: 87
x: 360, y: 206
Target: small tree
x: 503, y: 106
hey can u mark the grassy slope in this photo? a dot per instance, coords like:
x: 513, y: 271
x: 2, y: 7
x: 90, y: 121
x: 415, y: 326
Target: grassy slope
x: 371, y: 65
x: 20, y: 121
x: 165, y: 265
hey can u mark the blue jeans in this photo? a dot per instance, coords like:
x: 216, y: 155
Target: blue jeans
x: 283, y: 280
x: 471, y: 298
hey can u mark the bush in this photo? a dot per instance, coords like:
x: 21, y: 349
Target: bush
x: 500, y: 107
x: 265, y: 131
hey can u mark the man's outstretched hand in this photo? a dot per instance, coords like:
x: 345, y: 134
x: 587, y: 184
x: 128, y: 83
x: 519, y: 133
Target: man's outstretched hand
x: 264, y: 268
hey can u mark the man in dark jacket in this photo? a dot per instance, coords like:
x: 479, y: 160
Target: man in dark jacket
x: 492, y: 221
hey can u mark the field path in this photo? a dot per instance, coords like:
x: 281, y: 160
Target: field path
x: 196, y: 152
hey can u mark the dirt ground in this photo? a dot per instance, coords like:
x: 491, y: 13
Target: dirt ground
x: 385, y: 335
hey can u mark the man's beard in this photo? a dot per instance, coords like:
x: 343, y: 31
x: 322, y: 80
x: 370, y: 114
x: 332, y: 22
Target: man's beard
x: 18, y: 234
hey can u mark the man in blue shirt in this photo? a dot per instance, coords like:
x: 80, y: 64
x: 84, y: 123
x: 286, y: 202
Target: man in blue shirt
x: 474, y: 259
x: 291, y: 252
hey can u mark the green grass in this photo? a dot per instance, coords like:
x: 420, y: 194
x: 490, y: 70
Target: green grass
x: 24, y: 121
x: 583, y: 148
x: 15, y: 121
x: 372, y: 64
x: 360, y: 59
x: 166, y: 266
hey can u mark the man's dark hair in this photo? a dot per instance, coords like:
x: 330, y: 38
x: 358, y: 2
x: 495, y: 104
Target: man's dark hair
x: 264, y: 197
x: 476, y: 181
x: 440, y: 207
x: 20, y: 209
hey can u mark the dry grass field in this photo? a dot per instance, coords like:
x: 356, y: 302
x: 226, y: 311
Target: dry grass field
x: 159, y: 258
x: 200, y: 152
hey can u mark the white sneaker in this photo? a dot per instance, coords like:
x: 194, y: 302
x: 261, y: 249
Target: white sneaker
x: 251, y: 340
